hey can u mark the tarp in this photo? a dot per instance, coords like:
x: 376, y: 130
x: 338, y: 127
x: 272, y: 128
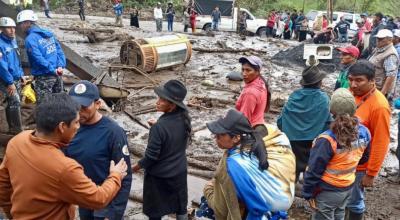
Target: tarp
x: 205, y: 7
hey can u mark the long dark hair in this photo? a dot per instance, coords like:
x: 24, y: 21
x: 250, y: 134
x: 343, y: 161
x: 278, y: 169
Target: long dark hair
x: 187, y: 121
x: 257, y: 147
x: 345, y: 128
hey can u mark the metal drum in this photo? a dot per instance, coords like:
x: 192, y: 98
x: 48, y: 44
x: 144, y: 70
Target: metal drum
x: 151, y: 54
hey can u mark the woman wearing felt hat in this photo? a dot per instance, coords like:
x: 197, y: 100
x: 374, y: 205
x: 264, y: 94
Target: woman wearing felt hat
x: 164, y: 162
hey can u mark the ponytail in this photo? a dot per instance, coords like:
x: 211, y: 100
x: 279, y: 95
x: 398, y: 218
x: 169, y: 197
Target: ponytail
x: 187, y: 123
x: 257, y: 147
x: 268, y: 105
x: 345, y: 129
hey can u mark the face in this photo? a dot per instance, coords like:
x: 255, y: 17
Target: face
x: 383, y: 42
x: 346, y: 58
x: 87, y: 114
x: 360, y: 84
x: 68, y: 131
x: 225, y: 141
x: 249, y: 73
x: 8, y: 31
x: 376, y: 20
x: 163, y: 105
x: 24, y: 26
x: 396, y: 40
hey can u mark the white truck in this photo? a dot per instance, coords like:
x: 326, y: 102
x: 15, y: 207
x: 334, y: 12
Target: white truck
x: 229, y: 23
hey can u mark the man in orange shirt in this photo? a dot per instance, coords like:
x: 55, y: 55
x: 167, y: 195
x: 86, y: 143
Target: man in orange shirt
x: 374, y: 112
x: 37, y: 181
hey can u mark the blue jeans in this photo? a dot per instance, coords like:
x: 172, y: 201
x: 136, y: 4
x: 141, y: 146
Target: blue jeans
x: 215, y: 25
x: 170, y: 24
x: 343, y: 38
x: 356, y: 203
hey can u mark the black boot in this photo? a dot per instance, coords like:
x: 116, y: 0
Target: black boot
x: 355, y: 216
x: 14, y: 121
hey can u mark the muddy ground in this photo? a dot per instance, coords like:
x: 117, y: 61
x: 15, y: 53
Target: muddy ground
x: 283, y: 75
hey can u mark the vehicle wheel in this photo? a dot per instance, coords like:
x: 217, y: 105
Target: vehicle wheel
x: 262, y: 32
x: 207, y: 27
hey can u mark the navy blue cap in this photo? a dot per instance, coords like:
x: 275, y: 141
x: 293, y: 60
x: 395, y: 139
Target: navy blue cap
x: 84, y: 93
x: 234, y: 122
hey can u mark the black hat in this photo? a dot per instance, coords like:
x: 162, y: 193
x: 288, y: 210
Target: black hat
x: 311, y: 75
x: 84, y: 93
x: 234, y: 122
x: 173, y: 91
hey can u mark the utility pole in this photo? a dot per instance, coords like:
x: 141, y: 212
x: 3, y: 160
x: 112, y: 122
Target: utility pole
x: 330, y: 10
x: 304, y: 2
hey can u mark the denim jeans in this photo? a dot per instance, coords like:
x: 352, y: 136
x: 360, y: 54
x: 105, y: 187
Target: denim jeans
x: 170, y: 24
x: 215, y: 25
x: 356, y: 203
x: 343, y: 38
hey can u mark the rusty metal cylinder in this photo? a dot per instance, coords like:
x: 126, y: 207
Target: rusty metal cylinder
x: 151, y: 54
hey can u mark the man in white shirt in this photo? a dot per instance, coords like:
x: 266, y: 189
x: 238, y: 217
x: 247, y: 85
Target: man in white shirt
x: 158, y: 16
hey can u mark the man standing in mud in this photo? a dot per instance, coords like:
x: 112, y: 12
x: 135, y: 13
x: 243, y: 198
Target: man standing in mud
x: 99, y: 140
x: 373, y: 111
x: 45, y: 55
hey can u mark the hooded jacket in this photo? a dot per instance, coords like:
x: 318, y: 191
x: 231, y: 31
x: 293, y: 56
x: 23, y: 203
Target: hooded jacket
x: 44, y: 52
x: 10, y: 65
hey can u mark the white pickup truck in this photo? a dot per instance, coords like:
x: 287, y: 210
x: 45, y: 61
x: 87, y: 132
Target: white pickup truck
x: 229, y: 23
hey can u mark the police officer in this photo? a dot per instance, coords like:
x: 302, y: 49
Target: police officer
x: 98, y: 141
x: 10, y: 74
x: 45, y: 55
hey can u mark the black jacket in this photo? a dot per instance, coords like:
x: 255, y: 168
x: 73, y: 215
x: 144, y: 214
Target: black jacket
x: 165, y: 154
x: 342, y: 27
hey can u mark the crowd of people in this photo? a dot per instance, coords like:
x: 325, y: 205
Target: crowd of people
x: 334, y: 145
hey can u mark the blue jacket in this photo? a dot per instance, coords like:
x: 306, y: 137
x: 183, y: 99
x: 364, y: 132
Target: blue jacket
x: 118, y: 8
x: 10, y: 65
x: 44, y: 52
x: 320, y: 156
x: 305, y: 115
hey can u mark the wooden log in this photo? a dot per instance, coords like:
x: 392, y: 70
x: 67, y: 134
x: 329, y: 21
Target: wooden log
x: 136, y: 119
x: 136, y: 198
x: 200, y: 164
x: 201, y: 173
x: 85, y: 30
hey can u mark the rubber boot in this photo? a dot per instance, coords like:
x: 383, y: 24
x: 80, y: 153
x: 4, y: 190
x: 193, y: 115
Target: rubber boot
x: 355, y: 216
x: 182, y: 217
x: 14, y: 121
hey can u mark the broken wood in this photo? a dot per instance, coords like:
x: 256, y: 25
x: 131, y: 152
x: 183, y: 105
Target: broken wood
x: 226, y: 50
x: 87, y: 30
x: 198, y: 106
x: 202, y: 127
x: 136, y: 198
x: 136, y: 119
x: 203, y: 165
x: 201, y: 173
x: 222, y: 44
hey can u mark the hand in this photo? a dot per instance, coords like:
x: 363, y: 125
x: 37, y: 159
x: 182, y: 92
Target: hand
x: 59, y: 71
x: 211, y: 183
x: 313, y: 204
x: 152, y: 121
x: 11, y: 89
x: 367, y: 181
x: 120, y: 167
x: 136, y: 168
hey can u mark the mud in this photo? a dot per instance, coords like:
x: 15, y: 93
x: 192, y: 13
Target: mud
x: 282, y: 67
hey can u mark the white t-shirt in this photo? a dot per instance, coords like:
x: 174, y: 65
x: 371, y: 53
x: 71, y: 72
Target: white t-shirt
x: 158, y: 13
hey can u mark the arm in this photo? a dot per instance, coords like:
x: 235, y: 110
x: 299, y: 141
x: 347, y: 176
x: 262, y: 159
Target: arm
x: 76, y: 188
x: 248, y: 105
x: 379, y: 128
x: 320, y: 156
x: 61, y: 61
x: 5, y: 75
x: 5, y: 189
x: 34, y: 54
x: 390, y: 65
x: 153, y: 148
x: 119, y: 148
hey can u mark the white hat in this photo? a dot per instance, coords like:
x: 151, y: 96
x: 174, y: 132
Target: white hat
x: 26, y: 15
x: 396, y: 32
x: 7, y: 22
x: 384, y: 33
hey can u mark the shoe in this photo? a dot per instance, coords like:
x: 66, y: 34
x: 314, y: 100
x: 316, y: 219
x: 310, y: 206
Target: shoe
x: 355, y: 216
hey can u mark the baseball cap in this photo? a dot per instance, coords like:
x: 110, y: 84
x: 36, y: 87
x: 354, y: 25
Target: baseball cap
x: 84, y: 93
x: 384, y: 33
x: 396, y: 32
x: 253, y: 60
x: 364, y: 15
x: 352, y: 50
x: 234, y: 122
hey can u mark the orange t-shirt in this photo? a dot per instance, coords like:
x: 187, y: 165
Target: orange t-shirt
x: 374, y: 113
